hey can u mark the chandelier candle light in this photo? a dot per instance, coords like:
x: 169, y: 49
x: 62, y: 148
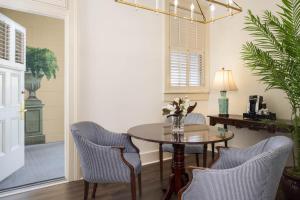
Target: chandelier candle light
x: 212, y: 8
x: 192, y: 11
x: 175, y: 6
x: 224, y: 82
x: 196, y: 12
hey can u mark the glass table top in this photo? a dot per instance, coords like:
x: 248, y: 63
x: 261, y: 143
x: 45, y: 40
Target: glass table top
x: 193, y: 134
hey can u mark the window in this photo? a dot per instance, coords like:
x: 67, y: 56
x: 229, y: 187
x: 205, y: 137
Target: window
x: 186, y: 67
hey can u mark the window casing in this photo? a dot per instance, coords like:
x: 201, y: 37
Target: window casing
x: 186, y: 61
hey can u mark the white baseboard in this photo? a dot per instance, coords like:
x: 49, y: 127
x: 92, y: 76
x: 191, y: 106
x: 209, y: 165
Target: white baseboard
x: 31, y: 188
x: 150, y: 157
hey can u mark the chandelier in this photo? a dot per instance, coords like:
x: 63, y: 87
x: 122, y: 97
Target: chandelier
x: 201, y: 11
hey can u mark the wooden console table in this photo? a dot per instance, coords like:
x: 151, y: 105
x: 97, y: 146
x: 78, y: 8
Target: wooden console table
x: 239, y: 122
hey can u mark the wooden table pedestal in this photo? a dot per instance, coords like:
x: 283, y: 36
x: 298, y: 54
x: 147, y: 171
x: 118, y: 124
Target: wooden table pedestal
x: 178, y: 178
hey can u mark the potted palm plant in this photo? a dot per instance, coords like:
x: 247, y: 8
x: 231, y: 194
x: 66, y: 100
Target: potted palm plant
x: 40, y: 62
x: 274, y: 55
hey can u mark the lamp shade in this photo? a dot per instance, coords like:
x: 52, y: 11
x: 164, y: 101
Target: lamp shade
x: 224, y: 81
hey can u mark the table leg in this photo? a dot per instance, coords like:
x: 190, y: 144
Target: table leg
x: 204, y: 155
x: 161, y: 163
x: 226, y: 143
x: 225, y: 126
x: 178, y: 178
x: 213, y: 151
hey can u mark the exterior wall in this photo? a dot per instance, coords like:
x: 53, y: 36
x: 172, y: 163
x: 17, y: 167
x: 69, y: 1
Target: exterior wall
x: 45, y: 32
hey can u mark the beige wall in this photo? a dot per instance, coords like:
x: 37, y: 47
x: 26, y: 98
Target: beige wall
x: 121, y: 66
x: 226, y: 40
x: 45, y: 32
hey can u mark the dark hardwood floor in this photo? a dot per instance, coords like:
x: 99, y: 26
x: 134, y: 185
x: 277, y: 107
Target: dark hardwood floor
x: 74, y: 190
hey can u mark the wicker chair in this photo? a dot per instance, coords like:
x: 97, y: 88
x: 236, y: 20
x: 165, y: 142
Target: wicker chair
x: 106, y: 157
x: 249, y: 174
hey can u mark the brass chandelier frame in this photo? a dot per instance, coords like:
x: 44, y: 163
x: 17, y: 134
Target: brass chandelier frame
x: 234, y: 7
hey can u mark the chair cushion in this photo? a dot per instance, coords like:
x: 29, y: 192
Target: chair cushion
x: 189, y: 148
x: 134, y: 160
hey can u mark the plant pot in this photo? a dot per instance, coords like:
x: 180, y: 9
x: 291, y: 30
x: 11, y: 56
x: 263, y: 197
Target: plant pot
x: 290, y: 185
x: 32, y: 84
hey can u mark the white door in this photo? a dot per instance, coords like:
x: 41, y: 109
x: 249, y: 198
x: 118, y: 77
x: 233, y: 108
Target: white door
x: 12, y: 67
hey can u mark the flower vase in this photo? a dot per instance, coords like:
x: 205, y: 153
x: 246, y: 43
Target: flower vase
x: 178, y: 124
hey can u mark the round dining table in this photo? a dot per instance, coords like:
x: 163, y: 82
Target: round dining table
x: 193, y: 134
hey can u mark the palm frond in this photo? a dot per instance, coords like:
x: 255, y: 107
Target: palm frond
x: 263, y: 65
x: 265, y: 38
x: 274, y: 55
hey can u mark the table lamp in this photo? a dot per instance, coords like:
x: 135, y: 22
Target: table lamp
x: 224, y: 82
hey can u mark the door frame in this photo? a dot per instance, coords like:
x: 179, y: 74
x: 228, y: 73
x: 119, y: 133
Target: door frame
x: 68, y: 13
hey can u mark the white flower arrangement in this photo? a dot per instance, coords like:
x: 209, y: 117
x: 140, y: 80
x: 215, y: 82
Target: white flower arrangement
x: 178, y: 107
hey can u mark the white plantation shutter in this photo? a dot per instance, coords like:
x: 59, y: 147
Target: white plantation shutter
x: 178, y: 68
x: 191, y: 31
x: 186, y: 54
x: 186, y: 34
x: 196, y: 67
x: 12, y: 43
x: 19, y: 51
x: 4, y: 40
x: 174, y: 33
x: 200, y: 37
x: 185, y: 69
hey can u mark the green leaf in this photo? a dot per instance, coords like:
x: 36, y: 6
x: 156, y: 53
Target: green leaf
x: 41, y: 62
x: 274, y: 54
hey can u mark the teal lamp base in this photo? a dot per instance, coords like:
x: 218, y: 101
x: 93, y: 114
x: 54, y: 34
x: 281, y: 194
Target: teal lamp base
x: 223, y: 105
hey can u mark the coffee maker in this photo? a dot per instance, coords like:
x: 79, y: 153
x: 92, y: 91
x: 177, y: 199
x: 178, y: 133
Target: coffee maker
x: 255, y: 104
x: 257, y: 109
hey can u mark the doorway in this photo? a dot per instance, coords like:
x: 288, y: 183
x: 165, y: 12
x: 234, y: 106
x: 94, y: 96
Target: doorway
x: 44, y: 158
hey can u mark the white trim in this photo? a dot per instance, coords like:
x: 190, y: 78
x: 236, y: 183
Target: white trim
x: 58, y: 3
x: 69, y: 16
x: 155, y: 161
x: 28, y: 189
x: 150, y: 157
x: 35, y: 7
x: 168, y: 97
x: 72, y: 82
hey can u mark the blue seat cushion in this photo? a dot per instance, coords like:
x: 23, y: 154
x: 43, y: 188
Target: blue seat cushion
x: 189, y: 148
x: 134, y: 160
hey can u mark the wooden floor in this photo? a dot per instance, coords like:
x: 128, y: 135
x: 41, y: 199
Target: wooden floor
x: 74, y: 190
